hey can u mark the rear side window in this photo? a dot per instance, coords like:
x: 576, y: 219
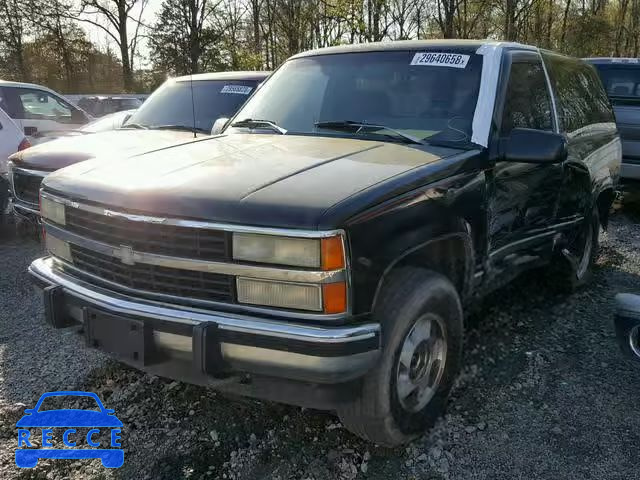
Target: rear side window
x: 527, y: 101
x: 621, y: 81
x: 580, y: 97
x: 602, y: 110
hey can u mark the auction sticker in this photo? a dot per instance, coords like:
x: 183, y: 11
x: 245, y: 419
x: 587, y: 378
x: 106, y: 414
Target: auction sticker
x: 435, y: 59
x: 239, y: 89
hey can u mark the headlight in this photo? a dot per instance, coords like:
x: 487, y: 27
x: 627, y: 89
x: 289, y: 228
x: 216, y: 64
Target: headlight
x: 326, y: 253
x: 58, y: 248
x: 300, y: 252
x: 51, y: 210
x: 320, y: 254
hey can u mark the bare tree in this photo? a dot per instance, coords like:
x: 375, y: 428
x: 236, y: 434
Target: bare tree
x: 116, y: 15
x: 12, y: 26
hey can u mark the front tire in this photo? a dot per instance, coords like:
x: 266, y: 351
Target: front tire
x: 422, y: 332
x: 575, y: 268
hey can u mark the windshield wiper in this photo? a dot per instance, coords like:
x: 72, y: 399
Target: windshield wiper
x: 137, y: 126
x: 356, y: 127
x: 255, y: 123
x: 184, y: 128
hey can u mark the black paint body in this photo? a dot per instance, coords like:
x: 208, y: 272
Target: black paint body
x: 473, y: 214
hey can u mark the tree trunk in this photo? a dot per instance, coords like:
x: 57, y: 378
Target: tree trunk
x: 564, y: 24
x: 127, y: 71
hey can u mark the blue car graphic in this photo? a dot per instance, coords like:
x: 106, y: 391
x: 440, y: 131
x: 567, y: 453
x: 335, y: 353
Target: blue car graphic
x: 69, y: 418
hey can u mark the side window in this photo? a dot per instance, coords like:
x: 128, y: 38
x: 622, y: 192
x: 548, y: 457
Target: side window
x: 602, y: 112
x: 41, y: 105
x: 527, y: 102
x: 580, y: 97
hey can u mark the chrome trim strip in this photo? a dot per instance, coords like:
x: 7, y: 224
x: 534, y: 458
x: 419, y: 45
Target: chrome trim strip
x: 634, y: 340
x: 545, y: 232
x: 227, y: 227
x: 21, y: 206
x: 551, y: 92
x: 33, y: 173
x: 41, y: 269
x: 235, y: 269
x: 171, y: 300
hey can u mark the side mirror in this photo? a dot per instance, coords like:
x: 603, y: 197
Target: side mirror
x: 29, y: 411
x: 218, y: 125
x: 78, y: 117
x: 526, y: 145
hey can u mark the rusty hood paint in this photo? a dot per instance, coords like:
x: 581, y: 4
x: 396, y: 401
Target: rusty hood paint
x: 66, y: 151
x: 258, y: 179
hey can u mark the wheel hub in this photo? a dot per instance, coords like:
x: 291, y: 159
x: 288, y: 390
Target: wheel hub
x: 421, y: 363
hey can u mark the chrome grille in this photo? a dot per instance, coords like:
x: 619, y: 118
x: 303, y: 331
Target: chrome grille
x: 154, y: 279
x: 171, y: 240
x: 26, y: 187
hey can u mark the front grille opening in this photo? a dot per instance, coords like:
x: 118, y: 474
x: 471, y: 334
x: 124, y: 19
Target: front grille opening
x: 154, y: 279
x: 171, y: 240
x: 26, y: 187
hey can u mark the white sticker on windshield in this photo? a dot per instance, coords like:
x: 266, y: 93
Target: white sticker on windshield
x: 239, y: 89
x: 435, y: 59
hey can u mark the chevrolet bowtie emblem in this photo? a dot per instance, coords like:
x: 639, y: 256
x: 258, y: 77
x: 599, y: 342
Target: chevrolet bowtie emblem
x: 126, y: 255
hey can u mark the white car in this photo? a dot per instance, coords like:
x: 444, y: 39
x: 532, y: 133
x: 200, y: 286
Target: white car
x: 105, y: 123
x: 35, y: 108
x: 11, y: 140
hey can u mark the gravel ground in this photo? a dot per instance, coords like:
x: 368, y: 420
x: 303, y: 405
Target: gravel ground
x: 544, y: 393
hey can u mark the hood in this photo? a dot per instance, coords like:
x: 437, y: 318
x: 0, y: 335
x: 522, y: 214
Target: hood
x: 254, y: 179
x: 66, y: 151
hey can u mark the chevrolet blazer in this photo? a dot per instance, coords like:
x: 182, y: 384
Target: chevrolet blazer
x: 323, y: 248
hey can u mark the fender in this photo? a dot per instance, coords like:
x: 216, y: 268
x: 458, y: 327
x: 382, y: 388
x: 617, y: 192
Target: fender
x: 438, y: 226
x: 466, y: 285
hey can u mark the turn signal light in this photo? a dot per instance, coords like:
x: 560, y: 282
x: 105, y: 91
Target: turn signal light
x: 334, y: 297
x: 332, y: 253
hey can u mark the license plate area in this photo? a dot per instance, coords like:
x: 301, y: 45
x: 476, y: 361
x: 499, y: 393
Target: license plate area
x: 128, y: 339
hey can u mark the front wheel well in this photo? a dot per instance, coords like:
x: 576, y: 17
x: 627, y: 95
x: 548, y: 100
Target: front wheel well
x: 450, y: 256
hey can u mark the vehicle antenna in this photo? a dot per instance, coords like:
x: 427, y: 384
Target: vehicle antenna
x: 193, y: 104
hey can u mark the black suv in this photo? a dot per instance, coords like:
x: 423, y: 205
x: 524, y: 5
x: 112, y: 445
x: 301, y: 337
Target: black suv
x: 621, y: 79
x: 323, y: 250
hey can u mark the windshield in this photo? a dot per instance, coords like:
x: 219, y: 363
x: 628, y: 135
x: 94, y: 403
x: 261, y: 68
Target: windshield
x: 621, y: 81
x: 108, y: 122
x: 428, y: 95
x: 170, y: 105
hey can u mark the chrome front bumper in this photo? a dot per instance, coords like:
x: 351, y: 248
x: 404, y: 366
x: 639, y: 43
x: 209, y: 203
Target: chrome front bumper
x: 250, y: 344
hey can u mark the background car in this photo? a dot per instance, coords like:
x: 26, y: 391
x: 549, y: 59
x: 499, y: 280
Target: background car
x: 627, y: 324
x: 11, y: 140
x: 34, y: 108
x: 102, y: 124
x: 100, y: 106
x: 181, y: 109
x: 621, y: 79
